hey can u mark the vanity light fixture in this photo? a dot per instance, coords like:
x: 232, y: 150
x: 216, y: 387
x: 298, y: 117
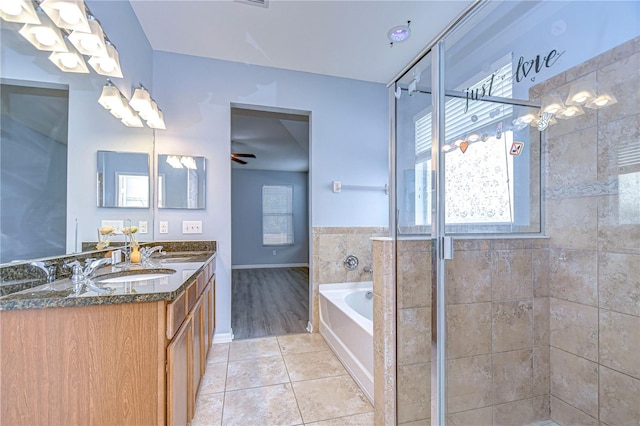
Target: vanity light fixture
x: 552, y: 103
x: 21, y: 11
x: 91, y: 42
x: 147, y: 108
x: 189, y: 162
x: 45, y: 35
x: 68, y: 14
x: 581, y: 91
x: 107, y: 65
x: 174, y: 161
x: 601, y: 101
x: 69, y: 61
x: 110, y: 97
x: 157, y: 122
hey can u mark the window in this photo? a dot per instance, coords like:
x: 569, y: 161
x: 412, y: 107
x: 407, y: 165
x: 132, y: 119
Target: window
x: 277, y: 215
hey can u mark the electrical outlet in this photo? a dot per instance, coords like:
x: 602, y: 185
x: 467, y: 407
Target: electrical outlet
x: 192, y: 227
x: 274, y: 253
x: 164, y: 227
x: 142, y: 227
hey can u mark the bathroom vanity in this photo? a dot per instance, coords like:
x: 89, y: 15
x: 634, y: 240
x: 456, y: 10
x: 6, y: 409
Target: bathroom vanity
x: 134, y: 356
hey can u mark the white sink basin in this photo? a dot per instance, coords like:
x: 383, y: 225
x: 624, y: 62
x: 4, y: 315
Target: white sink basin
x: 132, y: 278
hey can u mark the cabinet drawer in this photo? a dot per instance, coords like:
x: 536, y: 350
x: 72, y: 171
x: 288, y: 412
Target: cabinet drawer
x: 192, y: 293
x: 176, y: 313
x: 201, y: 282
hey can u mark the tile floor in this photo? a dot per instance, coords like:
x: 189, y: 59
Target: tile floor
x: 286, y: 380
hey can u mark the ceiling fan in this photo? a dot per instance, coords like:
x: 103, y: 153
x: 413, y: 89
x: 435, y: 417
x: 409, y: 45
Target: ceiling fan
x: 235, y: 157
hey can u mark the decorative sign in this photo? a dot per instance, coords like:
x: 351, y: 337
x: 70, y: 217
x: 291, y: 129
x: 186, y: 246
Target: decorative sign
x: 544, y: 120
x: 516, y: 148
x: 463, y: 146
x: 536, y: 65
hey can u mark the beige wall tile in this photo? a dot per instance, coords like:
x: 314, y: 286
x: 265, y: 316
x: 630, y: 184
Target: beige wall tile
x: 468, y: 330
x: 540, y: 271
x: 515, y: 413
x: 414, y: 399
x: 565, y: 165
x: 414, y: 279
x: 422, y: 245
x: 620, y: 342
x: 621, y: 77
x: 331, y: 272
x: 511, y: 274
x: 567, y: 415
x: 571, y: 223
x: 573, y: 276
x: 478, y: 417
x: 542, y: 407
x: 574, y: 328
x: 541, y: 371
x: 469, y: 277
x: 615, y: 139
x: 619, y: 282
x: 469, y: 383
x: 618, y: 229
x: 512, y: 375
x: 378, y: 380
x: 512, y: 325
x: 414, y: 335
x: 619, y: 398
x: 575, y: 381
x: 331, y: 248
x: 541, y: 321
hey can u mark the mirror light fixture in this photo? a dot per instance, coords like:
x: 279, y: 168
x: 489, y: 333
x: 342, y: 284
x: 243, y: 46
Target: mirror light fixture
x: 107, y: 65
x: 148, y: 109
x: 45, y: 35
x: 601, y: 101
x: 174, y: 161
x: 21, y: 11
x: 68, y: 14
x: 69, y: 61
x: 552, y: 103
x: 180, y: 162
x: 581, y: 91
x: 569, y: 112
x: 114, y: 101
x: 91, y: 42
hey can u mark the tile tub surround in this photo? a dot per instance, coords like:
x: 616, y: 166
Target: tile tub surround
x: 592, y: 217
x: 330, y: 246
x: 285, y: 380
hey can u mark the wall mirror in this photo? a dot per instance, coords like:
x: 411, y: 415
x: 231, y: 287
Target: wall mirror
x: 181, y: 182
x: 123, y: 179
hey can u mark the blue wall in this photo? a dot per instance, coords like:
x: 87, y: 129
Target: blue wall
x: 246, y: 222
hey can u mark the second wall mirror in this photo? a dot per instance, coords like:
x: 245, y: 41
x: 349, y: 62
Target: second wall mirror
x: 123, y: 179
x: 181, y: 182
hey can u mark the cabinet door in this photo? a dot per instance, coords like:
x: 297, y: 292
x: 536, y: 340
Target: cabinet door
x: 212, y: 308
x: 198, y: 347
x: 179, y: 372
x: 206, y: 311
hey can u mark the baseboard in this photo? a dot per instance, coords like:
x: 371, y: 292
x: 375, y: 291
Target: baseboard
x: 223, y: 337
x: 271, y: 265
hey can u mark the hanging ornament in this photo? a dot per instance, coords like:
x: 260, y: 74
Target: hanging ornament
x: 463, y: 146
x: 544, y: 121
x: 516, y: 148
x: 499, y: 131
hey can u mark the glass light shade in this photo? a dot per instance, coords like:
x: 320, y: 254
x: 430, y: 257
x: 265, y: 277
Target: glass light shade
x: 132, y: 121
x: 18, y: 11
x: 70, y: 61
x: 552, y: 103
x: 107, y: 65
x: 158, y: 123
x: 44, y: 36
x: 569, y: 112
x: 141, y: 100
x: 68, y: 14
x: 125, y: 113
x: 189, y: 162
x: 581, y: 91
x: 152, y: 113
x: 602, y: 101
x: 174, y: 161
x: 111, y: 98
x: 528, y: 118
x: 92, y: 42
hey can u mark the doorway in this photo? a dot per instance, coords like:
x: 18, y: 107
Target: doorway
x: 270, y: 221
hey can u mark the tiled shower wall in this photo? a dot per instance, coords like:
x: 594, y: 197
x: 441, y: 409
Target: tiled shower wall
x: 497, y: 347
x: 330, y: 247
x: 593, y: 220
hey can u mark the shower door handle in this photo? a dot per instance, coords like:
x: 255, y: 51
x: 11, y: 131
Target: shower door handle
x: 447, y: 248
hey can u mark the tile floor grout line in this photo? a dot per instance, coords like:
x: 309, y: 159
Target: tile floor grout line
x: 291, y: 384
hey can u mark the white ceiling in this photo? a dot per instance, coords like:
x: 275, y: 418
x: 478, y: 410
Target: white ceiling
x: 333, y: 37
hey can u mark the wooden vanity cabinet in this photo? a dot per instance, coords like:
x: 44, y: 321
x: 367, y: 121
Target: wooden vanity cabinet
x: 179, y: 388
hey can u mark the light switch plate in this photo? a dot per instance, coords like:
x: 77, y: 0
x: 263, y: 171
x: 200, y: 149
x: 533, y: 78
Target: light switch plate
x: 164, y: 227
x: 142, y: 227
x: 192, y: 227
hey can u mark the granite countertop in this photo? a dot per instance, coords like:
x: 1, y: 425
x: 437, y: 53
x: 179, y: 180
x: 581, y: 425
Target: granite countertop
x: 61, y: 293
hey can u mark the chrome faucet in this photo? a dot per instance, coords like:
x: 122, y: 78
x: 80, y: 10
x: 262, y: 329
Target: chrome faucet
x: 146, y: 255
x: 78, y: 274
x: 49, y: 270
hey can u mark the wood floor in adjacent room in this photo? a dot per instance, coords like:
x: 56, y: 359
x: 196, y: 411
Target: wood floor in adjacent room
x: 269, y: 302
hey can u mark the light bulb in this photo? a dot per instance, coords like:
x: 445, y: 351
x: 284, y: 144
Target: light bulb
x: 45, y: 36
x: 570, y: 112
x: 11, y: 7
x: 601, y: 102
x: 580, y: 97
x: 107, y: 64
x: 69, y: 14
x: 90, y: 44
x: 474, y: 137
x: 69, y: 60
x: 446, y: 148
